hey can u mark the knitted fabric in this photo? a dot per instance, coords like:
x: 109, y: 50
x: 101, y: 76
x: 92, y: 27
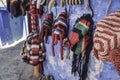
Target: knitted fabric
x: 33, y: 50
x: 81, y: 44
x: 46, y: 29
x: 16, y: 7
x: 79, y: 35
x: 59, y: 31
x: 115, y: 58
x: 107, y: 36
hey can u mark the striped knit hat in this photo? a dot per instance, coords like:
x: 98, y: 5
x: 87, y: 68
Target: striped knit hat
x: 46, y: 29
x: 107, y: 36
x: 33, y: 50
x: 59, y: 31
x: 79, y: 36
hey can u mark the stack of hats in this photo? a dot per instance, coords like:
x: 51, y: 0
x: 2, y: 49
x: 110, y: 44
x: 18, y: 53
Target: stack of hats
x: 46, y: 29
x: 79, y: 36
x: 59, y: 31
x: 16, y: 7
x: 107, y: 39
x: 33, y: 50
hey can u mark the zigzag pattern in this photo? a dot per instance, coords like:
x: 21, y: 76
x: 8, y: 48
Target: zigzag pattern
x: 107, y: 36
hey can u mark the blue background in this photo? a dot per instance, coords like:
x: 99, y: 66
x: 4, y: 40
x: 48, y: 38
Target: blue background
x: 61, y: 69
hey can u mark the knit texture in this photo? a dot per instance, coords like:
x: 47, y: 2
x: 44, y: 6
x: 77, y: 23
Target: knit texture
x: 46, y: 29
x: 115, y: 58
x: 78, y: 37
x: 107, y: 36
x: 59, y: 31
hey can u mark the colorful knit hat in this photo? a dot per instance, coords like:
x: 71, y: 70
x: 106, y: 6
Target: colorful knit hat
x: 78, y: 37
x: 59, y: 31
x: 46, y: 29
x: 33, y: 50
x: 107, y: 36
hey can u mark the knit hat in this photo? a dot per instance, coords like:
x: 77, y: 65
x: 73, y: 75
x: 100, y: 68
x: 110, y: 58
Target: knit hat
x: 107, y: 36
x: 46, y: 29
x: 33, y: 50
x: 78, y: 37
x: 59, y: 31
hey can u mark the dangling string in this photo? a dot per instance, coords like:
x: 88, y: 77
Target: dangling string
x: 110, y: 1
x: 88, y: 4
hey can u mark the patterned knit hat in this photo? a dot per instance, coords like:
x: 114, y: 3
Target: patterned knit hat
x: 46, y: 29
x: 33, y: 50
x: 107, y: 36
x: 79, y: 36
x: 59, y: 31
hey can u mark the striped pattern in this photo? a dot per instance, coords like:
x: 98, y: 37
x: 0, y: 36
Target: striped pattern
x: 72, y: 2
x: 33, y: 50
x: 107, y: 36
x: 59, y: 31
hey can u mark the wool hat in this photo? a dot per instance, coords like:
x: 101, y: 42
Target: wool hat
x: 46, y: 29
x: 79, y: 36
x: 33, y: 50
x: 107, y: 36
x: 59, y: 31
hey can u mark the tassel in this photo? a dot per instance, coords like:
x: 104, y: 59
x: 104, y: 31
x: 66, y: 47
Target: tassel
x: 110, y: 1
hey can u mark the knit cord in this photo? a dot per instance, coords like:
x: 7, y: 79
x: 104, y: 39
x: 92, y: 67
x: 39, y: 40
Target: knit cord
x: 87, y: 54
x: 110, y: 1
x: 91, y: 8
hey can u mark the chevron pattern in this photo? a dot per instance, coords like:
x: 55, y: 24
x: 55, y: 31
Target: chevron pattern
x: 107, y: 36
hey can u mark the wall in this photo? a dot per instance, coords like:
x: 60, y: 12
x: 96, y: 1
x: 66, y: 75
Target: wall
x: 61, y: 69
x: 13, y: 30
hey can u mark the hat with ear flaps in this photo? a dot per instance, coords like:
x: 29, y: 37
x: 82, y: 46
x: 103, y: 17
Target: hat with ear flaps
x: 79, y: 36
x: 107, y: 39
x: 46, y: 29
x: 59, y: 31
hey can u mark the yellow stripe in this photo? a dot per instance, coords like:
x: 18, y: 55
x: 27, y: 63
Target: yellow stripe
x: 83, y: 42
